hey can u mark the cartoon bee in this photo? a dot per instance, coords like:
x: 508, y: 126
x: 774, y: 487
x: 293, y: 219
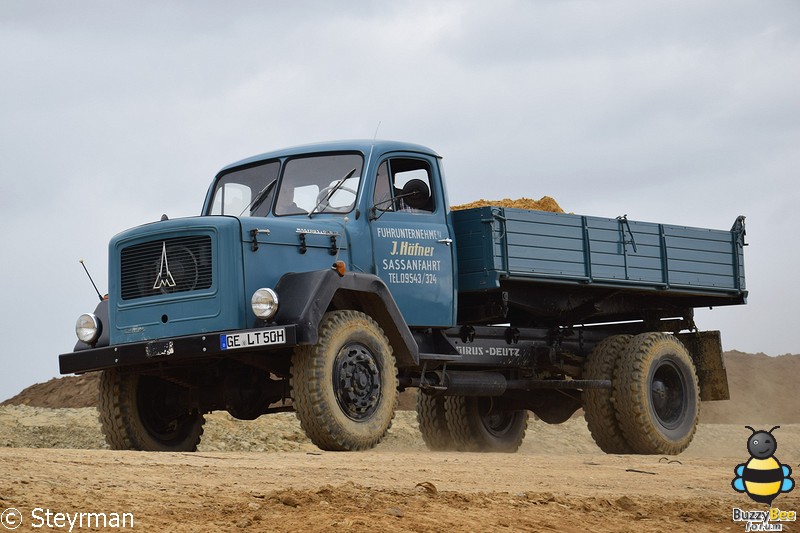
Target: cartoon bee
x: 762, y: 477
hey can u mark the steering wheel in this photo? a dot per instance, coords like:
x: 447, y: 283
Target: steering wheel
x: 324, y: 192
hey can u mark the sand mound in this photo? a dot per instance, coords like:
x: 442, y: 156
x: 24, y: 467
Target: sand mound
x: 761, y: 391
x: 545, y: 203
x: 65, y: 392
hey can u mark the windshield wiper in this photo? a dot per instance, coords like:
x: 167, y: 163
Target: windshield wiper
x: 259, y: 198
x: 332, y: 191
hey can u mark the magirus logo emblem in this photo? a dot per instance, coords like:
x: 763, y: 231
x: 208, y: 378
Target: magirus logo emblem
x: 164, y: 277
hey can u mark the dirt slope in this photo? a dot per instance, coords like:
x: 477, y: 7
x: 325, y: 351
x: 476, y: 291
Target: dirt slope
x: 67, y: 391
x: 762, y: 391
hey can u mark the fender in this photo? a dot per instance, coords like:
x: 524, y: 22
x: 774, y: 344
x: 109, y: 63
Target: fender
x: 306, y: 296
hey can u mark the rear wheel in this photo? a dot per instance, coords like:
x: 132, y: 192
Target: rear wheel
x: 432, y: 418
x: 476, y: 424
x: 598, y: 404
x: 141, y: 412
x: 657, y: 395
x: 344, y: 388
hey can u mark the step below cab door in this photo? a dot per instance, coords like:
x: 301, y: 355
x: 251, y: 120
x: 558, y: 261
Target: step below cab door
x: 411, y: 241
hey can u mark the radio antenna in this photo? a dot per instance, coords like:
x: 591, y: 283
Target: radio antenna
x: 90, y: 279
x: 376, y: 130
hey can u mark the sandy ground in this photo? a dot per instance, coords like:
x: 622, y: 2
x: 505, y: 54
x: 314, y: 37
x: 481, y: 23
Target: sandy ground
x: 266, y: 476
x: 375, y: 491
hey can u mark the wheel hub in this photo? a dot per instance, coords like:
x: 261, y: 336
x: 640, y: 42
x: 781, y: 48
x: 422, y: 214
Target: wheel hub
x: 667, y: 394
x: 162, y: 408
x: 498, y: 423
x: 357, y: 381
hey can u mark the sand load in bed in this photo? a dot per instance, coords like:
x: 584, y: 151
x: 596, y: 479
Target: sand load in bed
x: 545, y: 203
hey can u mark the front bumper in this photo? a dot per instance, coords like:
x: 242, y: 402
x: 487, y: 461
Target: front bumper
x: 176, y: 349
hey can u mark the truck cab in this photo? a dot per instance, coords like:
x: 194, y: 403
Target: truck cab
x: 306, y: 206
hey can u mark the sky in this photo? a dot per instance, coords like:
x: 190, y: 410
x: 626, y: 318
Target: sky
x: 112, y: 113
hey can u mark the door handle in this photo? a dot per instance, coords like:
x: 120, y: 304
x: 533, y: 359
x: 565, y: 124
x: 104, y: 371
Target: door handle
x: 447, y: 242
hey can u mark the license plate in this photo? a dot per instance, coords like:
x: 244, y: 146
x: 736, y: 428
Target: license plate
x: 250, y: 339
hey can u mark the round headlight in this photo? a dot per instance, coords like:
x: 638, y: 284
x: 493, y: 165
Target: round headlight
x: 87, y: 328
x: 264, y: 303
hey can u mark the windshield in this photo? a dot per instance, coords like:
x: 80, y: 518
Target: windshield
x: 318, y: 184
x: 237, y: 193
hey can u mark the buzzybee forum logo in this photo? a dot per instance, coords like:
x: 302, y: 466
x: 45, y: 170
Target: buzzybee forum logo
x: 763, y: 478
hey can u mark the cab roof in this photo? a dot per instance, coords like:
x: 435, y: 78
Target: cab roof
x: 376, y: 147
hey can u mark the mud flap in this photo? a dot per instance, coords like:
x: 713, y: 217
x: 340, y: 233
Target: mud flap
x: 705, y: 348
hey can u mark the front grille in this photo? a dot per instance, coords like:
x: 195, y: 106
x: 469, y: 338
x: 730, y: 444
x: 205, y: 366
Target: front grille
x: 166, y: 266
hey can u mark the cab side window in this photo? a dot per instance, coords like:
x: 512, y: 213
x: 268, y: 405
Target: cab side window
x: 404, y: 184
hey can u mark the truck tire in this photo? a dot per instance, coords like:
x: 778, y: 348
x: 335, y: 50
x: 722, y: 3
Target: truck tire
x: 475, y: 427
x: 432, y: 418
x: 344, y: 387
x: 657, y: 395
x: 598, y: 404
x: 141, y: 412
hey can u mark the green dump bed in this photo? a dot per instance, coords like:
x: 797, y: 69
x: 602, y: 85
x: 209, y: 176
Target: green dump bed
x: 495, y: 244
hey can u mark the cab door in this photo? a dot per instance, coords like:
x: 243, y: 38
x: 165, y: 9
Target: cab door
x: 412, y: 246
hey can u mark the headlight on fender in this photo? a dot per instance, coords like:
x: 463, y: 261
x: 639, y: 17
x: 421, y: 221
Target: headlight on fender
x: 87, y: 328
x: 264, y: 303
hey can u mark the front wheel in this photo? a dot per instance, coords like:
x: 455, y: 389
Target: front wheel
x: 477, y: 424
x: 344, y: 388
x: 141, y: 412
x: 657, y: 395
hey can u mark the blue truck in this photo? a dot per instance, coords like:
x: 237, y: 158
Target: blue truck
x: 328, y: 278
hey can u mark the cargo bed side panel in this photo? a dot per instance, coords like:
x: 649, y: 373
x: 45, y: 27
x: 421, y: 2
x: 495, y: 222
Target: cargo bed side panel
x: 502, y: 243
